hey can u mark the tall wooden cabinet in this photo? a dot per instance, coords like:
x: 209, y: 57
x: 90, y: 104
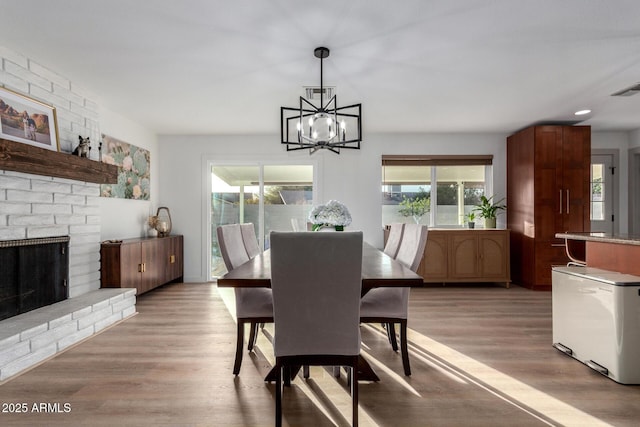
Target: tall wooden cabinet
x: 548, y: 179
x: 144, y: 263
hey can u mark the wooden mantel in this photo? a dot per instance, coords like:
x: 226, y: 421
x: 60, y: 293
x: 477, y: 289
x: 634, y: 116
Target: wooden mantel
x: 25, y: 158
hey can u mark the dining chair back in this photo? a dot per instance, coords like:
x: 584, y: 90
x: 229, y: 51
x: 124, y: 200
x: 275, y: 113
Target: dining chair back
x: 231, y: 246
x: 253, y: 305
x: 391, y: 305
x: 316, y: 280
x: 250, y: 240
x: 394, y: 239
x: 411, y: 250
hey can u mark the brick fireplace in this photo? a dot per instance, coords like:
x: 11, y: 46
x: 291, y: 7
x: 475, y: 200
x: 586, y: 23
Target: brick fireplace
x: 36, y: 206
x: 33, y: 206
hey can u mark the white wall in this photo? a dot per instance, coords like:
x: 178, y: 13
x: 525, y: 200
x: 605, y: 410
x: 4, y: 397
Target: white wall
x: 352, y: 177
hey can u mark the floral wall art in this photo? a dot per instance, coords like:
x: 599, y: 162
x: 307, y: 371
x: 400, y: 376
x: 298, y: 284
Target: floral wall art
x: 133, y: 169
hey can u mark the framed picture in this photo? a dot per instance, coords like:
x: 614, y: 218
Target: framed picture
x: 134, y: 170
x: 23, y: 119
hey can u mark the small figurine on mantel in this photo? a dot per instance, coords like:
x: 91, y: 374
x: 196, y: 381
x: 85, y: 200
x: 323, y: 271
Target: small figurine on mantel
x: 83, y: 148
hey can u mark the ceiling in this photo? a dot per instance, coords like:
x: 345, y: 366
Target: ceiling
x: 223, y: 67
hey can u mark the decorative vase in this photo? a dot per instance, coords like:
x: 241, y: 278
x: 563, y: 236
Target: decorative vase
x: 163, y: 222
x: 471, y: 224
x: 489, y: 223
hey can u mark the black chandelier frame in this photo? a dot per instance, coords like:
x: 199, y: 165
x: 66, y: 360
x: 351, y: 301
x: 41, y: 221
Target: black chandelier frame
x: 292, y: 120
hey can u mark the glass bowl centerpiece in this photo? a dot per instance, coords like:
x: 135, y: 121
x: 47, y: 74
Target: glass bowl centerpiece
x: 332, y: 215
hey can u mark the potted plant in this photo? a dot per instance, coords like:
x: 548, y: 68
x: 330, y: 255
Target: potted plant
x: 488, y: 209
x: 471, y: 216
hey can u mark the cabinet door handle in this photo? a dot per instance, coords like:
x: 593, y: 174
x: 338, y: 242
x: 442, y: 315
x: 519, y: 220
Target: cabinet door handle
x: 172, y: 259
x: 560, y: 204
x: 567, y: 201
x: 139, y: 268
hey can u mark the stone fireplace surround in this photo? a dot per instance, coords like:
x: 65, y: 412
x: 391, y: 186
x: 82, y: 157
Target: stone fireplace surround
x: 40, y: 206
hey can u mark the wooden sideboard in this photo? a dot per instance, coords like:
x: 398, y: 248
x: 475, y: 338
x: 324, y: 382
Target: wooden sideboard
x: 143, y: 263
x: 461, y: 255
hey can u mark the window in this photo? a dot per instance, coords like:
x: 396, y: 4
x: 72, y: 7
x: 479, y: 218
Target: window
x: 408, y: 183
x: 272, y: 197
x: 597, y: 192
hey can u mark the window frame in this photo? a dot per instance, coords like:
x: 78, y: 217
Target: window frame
x: 433, y: 161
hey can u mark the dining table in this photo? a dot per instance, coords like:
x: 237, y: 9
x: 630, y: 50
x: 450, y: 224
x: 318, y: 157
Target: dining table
x: 378, y: 270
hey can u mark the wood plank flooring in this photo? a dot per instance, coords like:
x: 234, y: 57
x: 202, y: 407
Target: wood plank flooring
x: 480, y: 355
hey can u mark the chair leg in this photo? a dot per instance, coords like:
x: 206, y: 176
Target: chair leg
x: 253, y: 335
x: 279, y: 396
x: 287, y: 375
x: 354, y: 394
x: 391, y: 334
x: 239, y: 342
x: 405, y: 347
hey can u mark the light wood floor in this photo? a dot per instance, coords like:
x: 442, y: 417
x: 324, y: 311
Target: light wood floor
x: 481, y: 356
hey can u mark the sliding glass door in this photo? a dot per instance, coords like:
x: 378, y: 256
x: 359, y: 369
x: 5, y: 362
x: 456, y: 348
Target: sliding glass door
x: 274, y: 197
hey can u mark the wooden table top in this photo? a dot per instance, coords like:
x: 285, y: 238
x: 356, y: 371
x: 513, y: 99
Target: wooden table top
x: 378, y: 270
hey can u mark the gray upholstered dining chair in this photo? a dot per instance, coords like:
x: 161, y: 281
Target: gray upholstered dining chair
x: 391, y: 305
x: 250, y: 240
x: 253, y: 306
x: 316, y: 280
x: 394, y: 239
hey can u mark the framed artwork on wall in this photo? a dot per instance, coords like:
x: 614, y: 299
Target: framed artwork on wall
x: 134, y: 166
x: 26, y: 120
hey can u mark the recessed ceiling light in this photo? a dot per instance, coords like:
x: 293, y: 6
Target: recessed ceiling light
x: 582, y: 112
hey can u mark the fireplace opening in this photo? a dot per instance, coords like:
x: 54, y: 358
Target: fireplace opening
x: 33, y: 273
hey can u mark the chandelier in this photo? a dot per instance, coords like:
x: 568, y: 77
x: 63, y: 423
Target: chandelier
x: 326, y: 126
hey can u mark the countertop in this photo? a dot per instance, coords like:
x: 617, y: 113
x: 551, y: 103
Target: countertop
x: 622, y: 239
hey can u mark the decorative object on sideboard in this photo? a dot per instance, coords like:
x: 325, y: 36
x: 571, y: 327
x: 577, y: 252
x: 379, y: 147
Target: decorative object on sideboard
x: 334, y: 215
x: 100, y: 151
x: 163, y: 221
x: 152, y: 222
x: 84, y: 147
x: 325, y: 126
x: 26, y: 120
x: 489, y: 210
x: 471, y: 217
